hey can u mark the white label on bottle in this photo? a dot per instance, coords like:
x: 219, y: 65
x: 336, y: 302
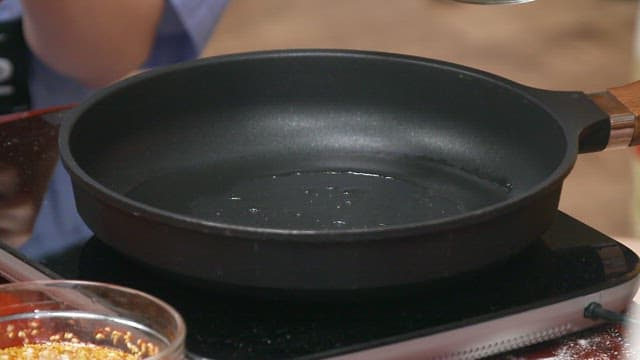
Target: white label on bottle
x: 6, y: 69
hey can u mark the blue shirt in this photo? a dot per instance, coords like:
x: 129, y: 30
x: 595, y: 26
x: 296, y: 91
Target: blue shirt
x: 184, y: 29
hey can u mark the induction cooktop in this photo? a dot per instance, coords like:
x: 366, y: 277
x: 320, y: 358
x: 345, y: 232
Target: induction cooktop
x: 537, y: 295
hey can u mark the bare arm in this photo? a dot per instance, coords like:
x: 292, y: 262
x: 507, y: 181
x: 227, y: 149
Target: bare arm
x: 94, y: 41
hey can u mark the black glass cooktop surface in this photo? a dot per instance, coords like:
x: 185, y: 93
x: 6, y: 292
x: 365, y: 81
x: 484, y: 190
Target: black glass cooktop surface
x: 571, y: 259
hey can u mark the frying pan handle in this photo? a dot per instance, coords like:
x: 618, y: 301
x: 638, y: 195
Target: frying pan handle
x: 622, y: 104
x: 584, y: 121
x: 604, y: 120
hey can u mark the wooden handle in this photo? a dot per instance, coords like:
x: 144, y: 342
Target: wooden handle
x: 629, y: 96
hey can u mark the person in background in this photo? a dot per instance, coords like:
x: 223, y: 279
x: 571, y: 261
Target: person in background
x: 75, y: 47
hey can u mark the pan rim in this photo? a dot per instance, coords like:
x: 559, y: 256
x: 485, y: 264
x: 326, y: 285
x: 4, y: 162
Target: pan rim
x: 124, y: 203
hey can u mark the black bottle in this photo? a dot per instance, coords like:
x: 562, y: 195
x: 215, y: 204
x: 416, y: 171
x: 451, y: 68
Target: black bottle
x: 14, y: 68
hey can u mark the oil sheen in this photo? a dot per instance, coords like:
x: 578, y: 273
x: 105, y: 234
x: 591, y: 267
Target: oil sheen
x: 317, y: 199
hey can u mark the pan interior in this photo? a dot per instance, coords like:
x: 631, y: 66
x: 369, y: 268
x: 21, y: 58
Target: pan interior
x: 353, y: 197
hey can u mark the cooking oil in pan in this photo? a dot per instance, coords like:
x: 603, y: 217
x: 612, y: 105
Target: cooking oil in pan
x: 318, y: 199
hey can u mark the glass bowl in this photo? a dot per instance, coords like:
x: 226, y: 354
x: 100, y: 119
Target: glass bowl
x: 87, y: 320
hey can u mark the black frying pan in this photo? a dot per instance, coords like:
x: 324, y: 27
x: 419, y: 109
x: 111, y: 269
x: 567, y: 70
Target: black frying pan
x: 325, y: 170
